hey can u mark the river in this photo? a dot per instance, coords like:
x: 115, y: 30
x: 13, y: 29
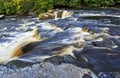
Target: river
x: 93, y: 35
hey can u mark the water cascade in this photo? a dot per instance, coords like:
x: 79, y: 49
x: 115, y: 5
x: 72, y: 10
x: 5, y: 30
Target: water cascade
x: 14, y: 50
x: 62, y: 14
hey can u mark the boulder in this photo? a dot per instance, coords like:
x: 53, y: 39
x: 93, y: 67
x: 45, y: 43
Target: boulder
x: 50, y: 15
x: 43, y: 16
x: 2, y: 16
x: 50, y: 11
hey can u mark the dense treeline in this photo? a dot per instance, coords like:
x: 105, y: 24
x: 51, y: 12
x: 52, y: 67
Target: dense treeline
x: 11, y: 7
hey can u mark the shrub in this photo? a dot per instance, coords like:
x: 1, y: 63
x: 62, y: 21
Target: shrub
x: 105, y: 3
x: 60, y: 3
x: 98, y: 3
x: 2, y: 7
x: 73, y: 3
x: 25, y: 6
x: 44, y: 5
x: 9, y: 8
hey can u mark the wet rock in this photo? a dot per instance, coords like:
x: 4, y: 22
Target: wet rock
x: 50, y: 11
x: 43, y: 16
x: 85, y: 29
x: 86, y: 76
x: 62, y: 59
x: 106, y: 43
x: 48, y: 70
x: 102, y: 59
x: 62, y: 66
x: 18, y: 64
x: 2, y: 16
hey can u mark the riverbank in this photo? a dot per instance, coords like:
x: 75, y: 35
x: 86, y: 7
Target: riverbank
x: 58, y: 9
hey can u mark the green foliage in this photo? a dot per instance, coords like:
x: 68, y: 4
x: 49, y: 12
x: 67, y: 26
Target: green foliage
x: 17, y: 4
x: 10, y: 7
x: 105, y: 3
x: 60, y: 3
x: 98, y: 3
x: 1, y: 7
x: 35, y: 5
x: 44, y: 5
x: 73, y: 3
x: 117, y: 1
x: 25, y: 6
x: 92, y: 3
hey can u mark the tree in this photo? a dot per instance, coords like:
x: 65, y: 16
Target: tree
x: 97, y: 3
x: 44, y: 5
x: 25, y: 6
x: 9, y: 8
x: 60, y: 3
x: 17, y: 3
x: 105, y: 3
x: 2, y: 9
x: 73, y: 3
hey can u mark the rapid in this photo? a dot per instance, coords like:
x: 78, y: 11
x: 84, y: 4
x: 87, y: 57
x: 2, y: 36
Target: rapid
x: 91, y: 35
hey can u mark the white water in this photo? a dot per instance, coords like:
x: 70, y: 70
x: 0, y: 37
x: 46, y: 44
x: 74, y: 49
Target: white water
x: 67, y: 31
x: 63, y: 32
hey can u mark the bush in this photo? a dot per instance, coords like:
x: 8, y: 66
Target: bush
x: 2, y: 7
x: 60, y: 3
x: 98, y: 3
x: 106, y: 3
x: 26, y: 6
x: 74, y: 3
x: 44, y: 5
x: 10, y: 7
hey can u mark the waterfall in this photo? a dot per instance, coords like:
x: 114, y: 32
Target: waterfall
x: 55, y: 13
x: 66, y: 14
x: 15, y: 49
x: 62, y: 14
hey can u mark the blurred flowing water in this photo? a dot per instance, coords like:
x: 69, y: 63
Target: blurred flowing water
x: 99, y: 46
